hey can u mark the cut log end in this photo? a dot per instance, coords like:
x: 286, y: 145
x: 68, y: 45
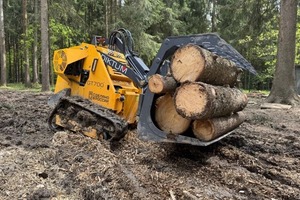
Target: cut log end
x: 187, y: 63
x: 203, y: 130
x: 167, y: 118
x: 191, y: 98
x: 161, y: 84
x: 155, y: 84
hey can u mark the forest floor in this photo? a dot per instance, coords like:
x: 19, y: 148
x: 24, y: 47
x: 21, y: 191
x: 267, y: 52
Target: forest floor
x: 260, y: 160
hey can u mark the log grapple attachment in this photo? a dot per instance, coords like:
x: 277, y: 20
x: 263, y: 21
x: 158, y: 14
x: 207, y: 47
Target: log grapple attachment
x: 147, y: 127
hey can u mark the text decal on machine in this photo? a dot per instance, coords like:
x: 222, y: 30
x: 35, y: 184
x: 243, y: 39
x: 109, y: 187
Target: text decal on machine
x: 114, y: 64
x: 98, y: 97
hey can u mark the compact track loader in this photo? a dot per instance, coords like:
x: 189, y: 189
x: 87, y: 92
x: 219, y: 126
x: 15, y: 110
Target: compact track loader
x: 102, y: 87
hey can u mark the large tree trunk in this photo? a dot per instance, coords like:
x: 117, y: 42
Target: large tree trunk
x: 210, y: 129
x: 2, y: 47
x: 192, y: 63
x: 166, y: 117
x: 284, y: 85
x: 197, y: 100
x: 45, y: 46
x: 159, y: 84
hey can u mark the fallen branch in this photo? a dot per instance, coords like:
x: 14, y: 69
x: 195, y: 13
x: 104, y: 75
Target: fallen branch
x: 172, y: 195
x: 188, y: 194
x: 275, y: 106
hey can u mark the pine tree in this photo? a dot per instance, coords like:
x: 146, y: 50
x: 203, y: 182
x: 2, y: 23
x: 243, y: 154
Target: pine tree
x: 45, y: 46
x: 2, y: 47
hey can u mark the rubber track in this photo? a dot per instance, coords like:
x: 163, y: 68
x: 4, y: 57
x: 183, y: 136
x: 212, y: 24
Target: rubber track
x: 118, y: 125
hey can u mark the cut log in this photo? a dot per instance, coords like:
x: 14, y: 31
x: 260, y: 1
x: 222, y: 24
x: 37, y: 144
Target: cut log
x: 210, y: 129
x: 166, y: 117
x: 197, y: 100
x: 159, y: 84
x: 192, y: 63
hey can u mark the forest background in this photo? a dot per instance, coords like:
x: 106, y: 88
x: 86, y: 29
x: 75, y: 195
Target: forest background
x: 249, y: 26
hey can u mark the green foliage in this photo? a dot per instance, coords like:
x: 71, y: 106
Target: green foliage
x: 265, y: 51
x: 250, y: 26
x: 138, y: 22
x: 194, y: 16
x: 156, y: 20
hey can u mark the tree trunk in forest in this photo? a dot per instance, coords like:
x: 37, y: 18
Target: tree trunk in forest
x: 210, y: 129
x: 197, y: 100
x: 11, y: 69
x: 45, y: 46
x: 26, y: 59
x: 284, y: 86
x: 167, y: 118
x: 106, y: 18
x: 35, y: 44
x: 213, y: 16
x: 159, y: 84
x: 192, y: 63
x: 116, y: 11
x: 111, y: 12
x: 16, y: 61
x: 2, y: 47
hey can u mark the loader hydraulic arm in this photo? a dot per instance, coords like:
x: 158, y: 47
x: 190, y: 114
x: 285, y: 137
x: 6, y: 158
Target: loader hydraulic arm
x: 122, y: 41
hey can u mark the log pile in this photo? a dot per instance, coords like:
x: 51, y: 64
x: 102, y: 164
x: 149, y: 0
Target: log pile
x: 198, y: 93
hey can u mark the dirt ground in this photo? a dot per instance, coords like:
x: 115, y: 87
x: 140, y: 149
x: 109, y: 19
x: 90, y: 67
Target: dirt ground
x: 260, y: 160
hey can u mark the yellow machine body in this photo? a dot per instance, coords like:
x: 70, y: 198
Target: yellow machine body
x: 83, y: 70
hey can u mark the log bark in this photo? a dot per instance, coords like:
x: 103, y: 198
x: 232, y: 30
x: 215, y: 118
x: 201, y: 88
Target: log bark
x: 197, y: 100
x: 159, y: 84
x: 166, y: 117
x: 192, y: 63
x: 210, y: 129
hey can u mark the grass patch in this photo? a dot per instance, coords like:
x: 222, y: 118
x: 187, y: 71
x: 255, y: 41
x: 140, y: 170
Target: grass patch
x: 264, y: 92
x: 21, y: 87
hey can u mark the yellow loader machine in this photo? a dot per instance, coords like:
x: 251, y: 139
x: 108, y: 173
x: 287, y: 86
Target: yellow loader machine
x: 101, y: 87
